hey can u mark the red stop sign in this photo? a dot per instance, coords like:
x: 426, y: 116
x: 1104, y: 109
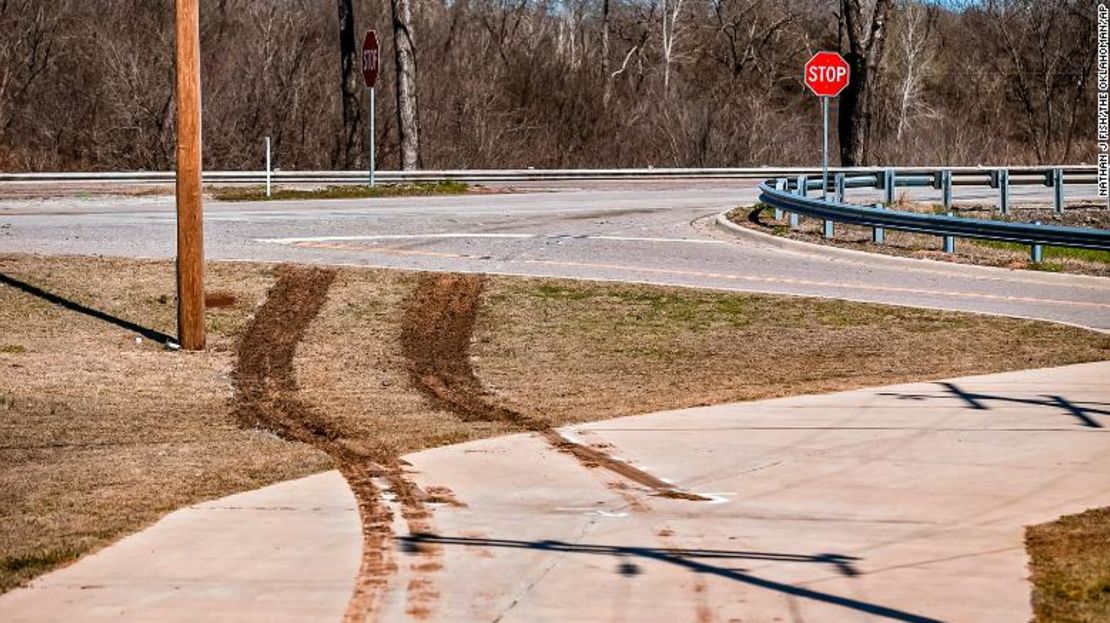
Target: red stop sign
x: 370, y: 59
x: 827, y: 74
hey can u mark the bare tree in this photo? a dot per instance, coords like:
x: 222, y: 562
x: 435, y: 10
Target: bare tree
x: 27, y: 52
x: 917, y: 26
x: 408, y: 114
x: 862, y: 38
x: 1043, y: 50
x: 995, y: 81
x: 606, y: 73
x: 670, y: 34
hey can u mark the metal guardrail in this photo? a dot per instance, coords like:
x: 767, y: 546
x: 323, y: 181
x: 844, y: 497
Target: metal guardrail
x: 791, y: 195
x: 961, y: 175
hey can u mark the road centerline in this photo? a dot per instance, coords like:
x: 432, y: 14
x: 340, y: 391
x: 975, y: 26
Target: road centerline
x: 489, y: 235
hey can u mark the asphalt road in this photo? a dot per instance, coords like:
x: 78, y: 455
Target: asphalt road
x: 660, y: 233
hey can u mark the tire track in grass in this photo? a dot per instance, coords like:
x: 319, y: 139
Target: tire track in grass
x: 436, y: 332
x: 266, y: 396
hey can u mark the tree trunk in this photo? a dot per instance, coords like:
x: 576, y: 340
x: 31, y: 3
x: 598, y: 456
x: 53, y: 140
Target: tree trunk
x: 606, y: 75
x: 348, y: 83
x: 864, y: 53
x: 854, y: 115
x: 408, y: 117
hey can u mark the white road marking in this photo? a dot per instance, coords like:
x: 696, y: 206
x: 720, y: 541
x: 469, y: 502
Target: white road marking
x: 508, y: 236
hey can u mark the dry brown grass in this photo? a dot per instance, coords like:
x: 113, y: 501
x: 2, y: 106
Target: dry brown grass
x: 82, y: 190
x: 577, y: 352
x: 1070, y: 560
x: 100, y: 435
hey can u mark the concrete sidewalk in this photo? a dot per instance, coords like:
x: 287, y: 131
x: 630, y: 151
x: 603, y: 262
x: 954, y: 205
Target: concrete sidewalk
x: 903, y: 503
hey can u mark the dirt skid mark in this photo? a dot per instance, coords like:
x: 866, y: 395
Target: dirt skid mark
x: 421, y: 594
x: 634, y: 499
x: 435, y: 338
x: 218, y: 299
x: 703, y: 609
x: 592, y: 457
x: 266, y: 396
x: 703, y: 612
x: 442, y: 495
x: 436, y: 332
x: 377, y: 535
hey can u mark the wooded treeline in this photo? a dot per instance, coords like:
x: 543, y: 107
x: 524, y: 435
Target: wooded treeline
x: 547, y: 83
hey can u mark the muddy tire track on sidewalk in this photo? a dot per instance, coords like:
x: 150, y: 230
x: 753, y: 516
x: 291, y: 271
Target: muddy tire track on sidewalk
x: 436, y: 333
x: 266, y: 397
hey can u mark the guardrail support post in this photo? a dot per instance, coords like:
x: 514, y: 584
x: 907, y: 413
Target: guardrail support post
x: 942, y: 181
x: 949, y: 242
x: 1000, y: 179
x: 947, y: 190
x: 839, y: 188
x: 888, y: 187
x: 780, y: 184
x: 828, y: 229
x: 803, y: 189
x: 1056, y: 180
x: 1036, y: 253
x: 878, y: 234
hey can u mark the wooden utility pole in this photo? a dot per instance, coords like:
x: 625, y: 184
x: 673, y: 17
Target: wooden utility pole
x: 190, y: 216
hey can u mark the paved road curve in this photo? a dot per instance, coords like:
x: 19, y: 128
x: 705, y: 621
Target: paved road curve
x: 652, y: 232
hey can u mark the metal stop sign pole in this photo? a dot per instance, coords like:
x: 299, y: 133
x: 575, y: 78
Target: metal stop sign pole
x: 825, y: 152
x: 373, y: 164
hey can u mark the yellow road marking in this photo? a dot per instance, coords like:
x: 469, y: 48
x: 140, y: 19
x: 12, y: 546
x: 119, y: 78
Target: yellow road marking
x: 710, y: 275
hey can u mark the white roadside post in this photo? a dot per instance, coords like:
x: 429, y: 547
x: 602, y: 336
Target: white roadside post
x: 268, y: 167
x: 370, y: 65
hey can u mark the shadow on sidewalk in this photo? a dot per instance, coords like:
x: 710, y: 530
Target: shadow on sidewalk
x: 1084, y: 412
x: 698, y: 561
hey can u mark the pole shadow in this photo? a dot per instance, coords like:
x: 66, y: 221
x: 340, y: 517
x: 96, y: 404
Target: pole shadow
x: 1083, y: 412
x: 698, y: 561
x: 50, y: 297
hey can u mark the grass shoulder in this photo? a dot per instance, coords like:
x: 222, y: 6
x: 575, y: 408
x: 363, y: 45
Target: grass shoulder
x: 760, y: 217
x: 1070, y: 563
x: 419, y: 189
x: 1050, y: 253
x: 82, y: 467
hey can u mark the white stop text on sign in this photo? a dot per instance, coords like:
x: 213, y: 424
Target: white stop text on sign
x: 369, y: 60
x: 827, y: 74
